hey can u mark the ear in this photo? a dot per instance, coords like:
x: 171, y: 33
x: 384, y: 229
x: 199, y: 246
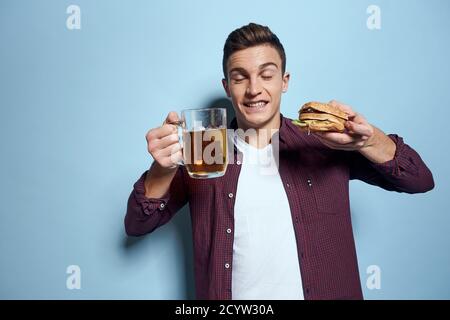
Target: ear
x: 286, y: 78
x: 225, y: 86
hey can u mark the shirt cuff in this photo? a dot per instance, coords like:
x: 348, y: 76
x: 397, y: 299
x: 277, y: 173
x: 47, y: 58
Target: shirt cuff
x: 402, y: 161
x: 149, y: 205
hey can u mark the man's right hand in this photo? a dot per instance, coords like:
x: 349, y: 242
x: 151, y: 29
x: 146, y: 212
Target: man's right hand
x: 163, y: 144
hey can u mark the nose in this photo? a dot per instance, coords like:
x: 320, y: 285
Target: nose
x: 254, y: 88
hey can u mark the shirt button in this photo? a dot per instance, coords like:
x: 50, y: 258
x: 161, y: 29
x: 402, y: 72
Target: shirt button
x: 162, y: 206
x: 238, y: 162
x: 309, y: 182
x: 230, y: 195
x: 228, y: 230
x: 227, y: 265
x: 288, y: 185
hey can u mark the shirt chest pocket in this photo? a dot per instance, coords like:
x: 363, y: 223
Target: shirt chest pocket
x: 329, y: 189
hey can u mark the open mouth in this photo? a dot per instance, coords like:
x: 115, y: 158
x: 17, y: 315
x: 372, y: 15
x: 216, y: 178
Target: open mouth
x: 256, y: 105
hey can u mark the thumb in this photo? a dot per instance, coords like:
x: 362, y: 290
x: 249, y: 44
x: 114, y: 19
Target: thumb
x: 172, y: 117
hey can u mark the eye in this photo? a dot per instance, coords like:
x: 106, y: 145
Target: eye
x: 267, y: 75
x: 238, y: 79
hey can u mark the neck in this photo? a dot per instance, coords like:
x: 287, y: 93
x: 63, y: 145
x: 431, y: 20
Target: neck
x: 261, y: 136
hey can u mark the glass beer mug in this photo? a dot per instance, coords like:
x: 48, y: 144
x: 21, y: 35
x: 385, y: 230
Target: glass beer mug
x: 203, y: 137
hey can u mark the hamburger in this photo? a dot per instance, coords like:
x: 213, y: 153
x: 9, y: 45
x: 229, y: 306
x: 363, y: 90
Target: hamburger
x: 323, y: 117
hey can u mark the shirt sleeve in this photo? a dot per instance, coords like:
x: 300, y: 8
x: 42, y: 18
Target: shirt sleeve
x: 144, y: 214
x: 406, y: 172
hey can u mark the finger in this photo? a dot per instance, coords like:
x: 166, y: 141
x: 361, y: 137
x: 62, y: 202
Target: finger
x: 169, y: 150
x: 358, y: 128
x: 176, y: 157
x: 168, y: 140
x: 172, y: 160
x: 359, y: 118
x: 333, y: 145
x: 326, y: 143
x: 346, y: 147
x: 336, y: 137
x: 346, y: 108
x: 163, y: 131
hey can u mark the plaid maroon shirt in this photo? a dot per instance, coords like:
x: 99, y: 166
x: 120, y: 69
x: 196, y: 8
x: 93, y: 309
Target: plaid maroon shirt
x: 316, y: 181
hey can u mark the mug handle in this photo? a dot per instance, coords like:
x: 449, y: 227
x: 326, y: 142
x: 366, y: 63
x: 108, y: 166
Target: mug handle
x: 179, y: 125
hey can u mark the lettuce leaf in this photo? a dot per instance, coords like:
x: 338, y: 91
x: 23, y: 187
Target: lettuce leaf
x: 299, y: 123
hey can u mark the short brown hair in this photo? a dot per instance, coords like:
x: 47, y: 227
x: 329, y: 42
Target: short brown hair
x: 249, y: 36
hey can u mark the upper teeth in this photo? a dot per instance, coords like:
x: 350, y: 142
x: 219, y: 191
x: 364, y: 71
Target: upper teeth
x: 257, y: 104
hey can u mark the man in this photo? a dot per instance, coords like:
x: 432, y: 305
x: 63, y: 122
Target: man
x: 286, y: 235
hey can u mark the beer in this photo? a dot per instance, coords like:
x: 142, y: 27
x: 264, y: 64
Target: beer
x: 205, y: 152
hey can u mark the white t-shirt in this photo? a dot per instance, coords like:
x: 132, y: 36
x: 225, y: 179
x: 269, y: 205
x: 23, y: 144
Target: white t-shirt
x: 265, y: 259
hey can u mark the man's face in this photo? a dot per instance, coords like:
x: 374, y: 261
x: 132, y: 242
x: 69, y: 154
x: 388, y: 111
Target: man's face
x: 255, y: 83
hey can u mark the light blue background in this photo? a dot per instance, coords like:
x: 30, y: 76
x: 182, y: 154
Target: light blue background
x: 75, y: 107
